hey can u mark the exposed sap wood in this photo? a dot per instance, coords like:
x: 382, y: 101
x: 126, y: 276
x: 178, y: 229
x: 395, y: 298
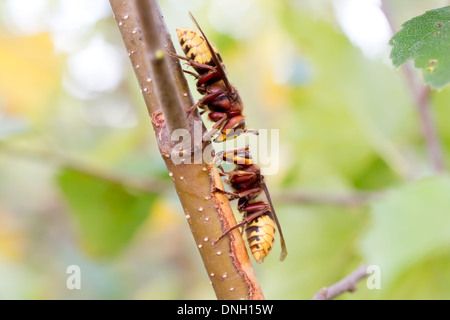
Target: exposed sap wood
x: 237, y: 250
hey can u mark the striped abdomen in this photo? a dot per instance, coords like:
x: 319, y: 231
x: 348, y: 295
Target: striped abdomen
x: 195, y: 48
x: 261, y: 236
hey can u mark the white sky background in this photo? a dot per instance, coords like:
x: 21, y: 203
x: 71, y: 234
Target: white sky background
x: 364, y: 24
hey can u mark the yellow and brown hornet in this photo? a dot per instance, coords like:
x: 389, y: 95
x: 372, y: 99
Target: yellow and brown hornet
x: 259, y: 217
x: 220, y: 97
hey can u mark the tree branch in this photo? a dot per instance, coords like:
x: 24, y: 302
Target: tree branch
x: 348, y: 284
x: 148, y: 13
x: 227, y: 263
x: 420, y: 94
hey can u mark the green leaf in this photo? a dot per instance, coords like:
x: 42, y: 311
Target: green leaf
x: 108, y: 214
x: 320, y: 243
x: 426, y: 40
x: 430, y: 275
x: 366, y: 111
x: 408, y: 225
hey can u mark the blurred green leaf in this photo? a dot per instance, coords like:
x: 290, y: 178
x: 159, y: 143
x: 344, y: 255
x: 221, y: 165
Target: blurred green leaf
x: 426, y: 40
x: 353, y: 112
x: 321, y: 250
x: 408, y: 225
x: 108, y: 214
x: 427, y: 279
x: 374, y: 174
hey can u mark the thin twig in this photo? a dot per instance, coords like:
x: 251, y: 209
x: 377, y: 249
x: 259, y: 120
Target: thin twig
x: 53, y: 158
x: 348, y: 284
x: 174, y: 114
x: 420, y: 94
x: 227, y: 263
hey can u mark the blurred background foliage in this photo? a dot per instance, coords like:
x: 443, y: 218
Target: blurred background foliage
x: 82, y: 181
